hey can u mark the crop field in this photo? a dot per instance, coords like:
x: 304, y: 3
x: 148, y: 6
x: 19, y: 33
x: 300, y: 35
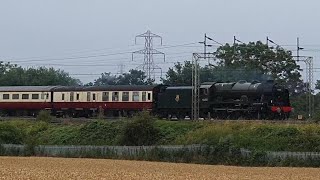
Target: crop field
x: 60, y: 168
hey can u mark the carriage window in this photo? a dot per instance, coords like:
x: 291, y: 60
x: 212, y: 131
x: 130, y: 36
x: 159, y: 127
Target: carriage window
x: 62, y: 98
x: 125, y: 96
x: 44, y: 95
x: 35, y: 96
x: 105, y: 96
x: 135, y: 96
x: 78, y: 96
x: 5, y: 96
x: 144, y: 96
x: 149, y: 96
x: 71, y: 96
x: 25, y: 96
x: 93, y: 97
x: 15, y: 96
x: 115, y: 96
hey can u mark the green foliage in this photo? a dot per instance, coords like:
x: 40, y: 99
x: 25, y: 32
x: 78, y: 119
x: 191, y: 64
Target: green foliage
x: 134, y: 77
x: 100, y: 133
x: 144, y: 130
x: 263, y: 137
x: 182, y: 74
x: 171, y: 130
x: 60, y: 135
x: 317, y: 86
x: 252, y: 61
x: 140, y: 131
x: 13, y: 75
x: 10, y: 134
x: 276, y: 62
x: 179, y: 74
x: 44, y: 116
x: 221, y: 141
x: 300, y: 105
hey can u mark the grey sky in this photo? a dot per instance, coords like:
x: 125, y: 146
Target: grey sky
x: 58, y: 29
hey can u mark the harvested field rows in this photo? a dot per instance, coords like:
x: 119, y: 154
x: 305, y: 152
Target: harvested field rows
x: 60, y: 168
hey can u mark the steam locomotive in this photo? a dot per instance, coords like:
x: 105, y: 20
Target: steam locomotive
x: 237, y: 100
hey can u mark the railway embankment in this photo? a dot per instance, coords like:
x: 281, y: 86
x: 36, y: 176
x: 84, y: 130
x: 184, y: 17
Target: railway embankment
x: 236, y: 143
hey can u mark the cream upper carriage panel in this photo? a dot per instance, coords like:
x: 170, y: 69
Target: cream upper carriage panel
x: 25, y: 93
x: 69, y: 96
x: 118, y: 93
x: 120, y: 96
x: 121, y: 93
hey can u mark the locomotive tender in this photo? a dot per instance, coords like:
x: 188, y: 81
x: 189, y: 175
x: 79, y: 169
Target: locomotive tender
x: 235, y: 100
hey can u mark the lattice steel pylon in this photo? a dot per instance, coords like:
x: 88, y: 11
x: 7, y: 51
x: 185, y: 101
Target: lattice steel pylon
x: 309, y: 81
x: 148, y: 65
x: 195, y: 107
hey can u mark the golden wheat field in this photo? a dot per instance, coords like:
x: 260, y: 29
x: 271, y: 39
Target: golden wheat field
x: 60, y: 168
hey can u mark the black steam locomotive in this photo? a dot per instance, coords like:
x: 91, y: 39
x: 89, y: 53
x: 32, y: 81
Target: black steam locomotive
x: 236, y: 100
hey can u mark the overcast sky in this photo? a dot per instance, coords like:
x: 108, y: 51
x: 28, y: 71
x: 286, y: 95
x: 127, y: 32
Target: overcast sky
x: 57, y: 32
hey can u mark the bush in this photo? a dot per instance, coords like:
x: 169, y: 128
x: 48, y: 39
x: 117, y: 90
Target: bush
x: 140, y: 131
x: 44, y: 116
x: 99, y: 133
x: 10, y: 134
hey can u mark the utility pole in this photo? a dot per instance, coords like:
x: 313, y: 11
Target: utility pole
x: 235, y: 40
x: 196, y: 83
x: 309, y: 82
x: 298, y: 49
x: 148, y: 65
x: 205, y: 45
x: 269, y: 40
x: 309, y: 78
x: 195, y: 106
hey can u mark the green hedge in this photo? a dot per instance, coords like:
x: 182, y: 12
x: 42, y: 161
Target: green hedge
x: 145, y: 131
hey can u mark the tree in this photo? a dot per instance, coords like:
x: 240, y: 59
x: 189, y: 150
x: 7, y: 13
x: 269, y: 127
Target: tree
x: 256, y: 56
x: 182, y: 74
x: 105, y: 79
x: 252, y: 61
x: 179, y: 74
x: 140, y: 131
x: 318, y: 85
x: 134, y: 77
x: 13, y: 75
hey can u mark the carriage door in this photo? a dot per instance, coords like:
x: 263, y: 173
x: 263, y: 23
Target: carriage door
x: 71, y: 96
x: 88, y: 96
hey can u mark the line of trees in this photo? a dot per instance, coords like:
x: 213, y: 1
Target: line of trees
x: 14, y: 75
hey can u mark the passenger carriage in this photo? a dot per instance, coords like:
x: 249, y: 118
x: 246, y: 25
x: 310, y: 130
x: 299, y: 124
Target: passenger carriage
x: 116, y: 100
x: 25, y: 100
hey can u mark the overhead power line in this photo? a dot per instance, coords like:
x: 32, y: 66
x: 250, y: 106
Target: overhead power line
x: 55, y: 58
